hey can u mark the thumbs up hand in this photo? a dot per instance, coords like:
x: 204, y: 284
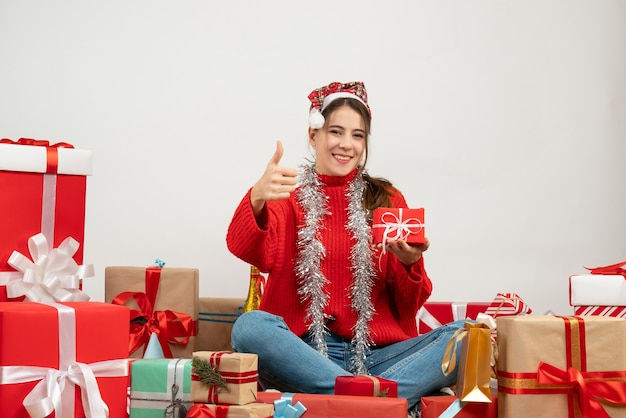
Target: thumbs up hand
x: 276, y: 183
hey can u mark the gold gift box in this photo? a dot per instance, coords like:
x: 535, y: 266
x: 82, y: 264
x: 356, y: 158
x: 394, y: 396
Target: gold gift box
x: 177, y: 292
x: 592, y: 345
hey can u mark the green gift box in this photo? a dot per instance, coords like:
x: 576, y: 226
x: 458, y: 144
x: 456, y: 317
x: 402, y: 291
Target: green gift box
x: 159, y: 387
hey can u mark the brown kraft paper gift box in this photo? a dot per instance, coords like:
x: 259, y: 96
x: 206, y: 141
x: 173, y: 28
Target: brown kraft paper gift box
x: 541, y: 358
x: 216, y: 317
x: 177, y: 292
x: 233, y: 377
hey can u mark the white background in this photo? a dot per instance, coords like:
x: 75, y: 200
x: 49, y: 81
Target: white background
x: 506, y: 120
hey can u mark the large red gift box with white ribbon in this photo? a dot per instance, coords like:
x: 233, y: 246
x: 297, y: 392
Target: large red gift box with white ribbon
x: 42, y: 190
x: 435, y: 314
x: 50, y: 353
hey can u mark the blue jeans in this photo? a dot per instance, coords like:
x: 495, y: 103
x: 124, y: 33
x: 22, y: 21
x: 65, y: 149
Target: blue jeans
x: 289, y: 364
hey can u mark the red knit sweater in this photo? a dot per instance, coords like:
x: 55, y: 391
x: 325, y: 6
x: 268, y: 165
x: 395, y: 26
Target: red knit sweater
x: 269, y: 244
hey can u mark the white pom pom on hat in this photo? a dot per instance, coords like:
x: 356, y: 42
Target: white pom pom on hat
x: 316, y: 119
x: 323, y: 96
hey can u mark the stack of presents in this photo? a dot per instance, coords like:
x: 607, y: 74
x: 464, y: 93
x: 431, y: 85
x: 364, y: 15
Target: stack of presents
x: 154, y: 348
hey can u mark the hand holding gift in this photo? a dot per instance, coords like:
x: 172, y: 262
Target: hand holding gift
x: 401, y: 231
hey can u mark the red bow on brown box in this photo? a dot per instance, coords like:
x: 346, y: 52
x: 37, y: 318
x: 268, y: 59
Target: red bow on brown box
x: 171, y: 327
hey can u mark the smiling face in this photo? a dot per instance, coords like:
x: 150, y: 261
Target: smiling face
x: 340, y: 143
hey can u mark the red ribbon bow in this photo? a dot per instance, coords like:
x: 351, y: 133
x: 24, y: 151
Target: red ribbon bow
x: 36, y: 142
x: 171, y: 327
x: 612, y: 269
x: 587, y: 391
x: 203, y: 411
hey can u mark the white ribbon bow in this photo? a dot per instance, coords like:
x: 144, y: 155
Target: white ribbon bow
x: 396, y: 228
x: 46, y: 396
x: 51, y: 276
x: 54, y: 391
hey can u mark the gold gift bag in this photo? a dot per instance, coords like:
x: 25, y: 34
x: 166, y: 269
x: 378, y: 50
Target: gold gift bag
x: 474, y: 374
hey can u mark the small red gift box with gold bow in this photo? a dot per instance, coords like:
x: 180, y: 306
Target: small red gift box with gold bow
x: 390, y: 224
x: 365, y: 385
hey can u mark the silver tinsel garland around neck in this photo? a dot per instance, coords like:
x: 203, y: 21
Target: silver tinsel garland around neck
x: 311, y: 280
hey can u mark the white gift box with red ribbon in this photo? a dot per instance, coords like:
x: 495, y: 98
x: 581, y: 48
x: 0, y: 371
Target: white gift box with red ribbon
x: 35, y: 159
x: 597, y: 290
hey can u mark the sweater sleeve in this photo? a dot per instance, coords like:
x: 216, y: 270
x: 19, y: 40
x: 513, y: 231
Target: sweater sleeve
x: 248, y: 237
x: 409, y: 288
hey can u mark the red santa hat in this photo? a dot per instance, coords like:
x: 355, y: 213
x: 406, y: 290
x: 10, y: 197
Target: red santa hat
x: 323, y: 96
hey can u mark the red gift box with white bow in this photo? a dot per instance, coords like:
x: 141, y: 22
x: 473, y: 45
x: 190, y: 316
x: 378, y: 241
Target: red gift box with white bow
x: 63, y: 359
x: 390, y: 224
x: 44, y: 185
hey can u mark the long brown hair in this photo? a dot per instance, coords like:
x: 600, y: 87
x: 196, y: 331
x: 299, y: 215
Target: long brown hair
x: 379, y: 190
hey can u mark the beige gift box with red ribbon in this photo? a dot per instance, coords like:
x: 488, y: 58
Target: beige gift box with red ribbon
x: 172, y: 310
x: 233, y: 377
x: 555, y: 367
